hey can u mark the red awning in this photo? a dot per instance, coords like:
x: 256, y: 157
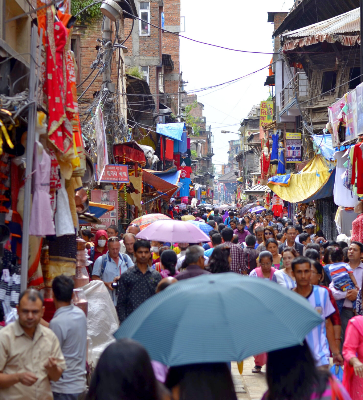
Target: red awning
x: 163, y: 187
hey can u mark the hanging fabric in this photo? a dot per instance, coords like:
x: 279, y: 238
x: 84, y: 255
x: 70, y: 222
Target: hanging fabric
x: 274, y: 150
x: 281, y: 165
x: 169, y: 149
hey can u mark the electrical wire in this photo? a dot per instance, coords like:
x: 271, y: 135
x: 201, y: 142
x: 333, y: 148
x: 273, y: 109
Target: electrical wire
x: 79, y: 98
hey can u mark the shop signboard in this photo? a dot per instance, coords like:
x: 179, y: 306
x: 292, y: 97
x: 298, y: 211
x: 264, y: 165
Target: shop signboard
x: 113, y: 173
x: 293, y: 152
x: 266, y: 112
x: 109, y: 197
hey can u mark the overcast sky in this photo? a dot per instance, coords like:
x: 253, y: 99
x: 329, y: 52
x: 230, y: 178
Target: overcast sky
x: 242, y: 25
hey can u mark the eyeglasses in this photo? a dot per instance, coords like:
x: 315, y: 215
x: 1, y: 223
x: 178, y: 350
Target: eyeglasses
x: 268, y: 233
x: 113, y: 239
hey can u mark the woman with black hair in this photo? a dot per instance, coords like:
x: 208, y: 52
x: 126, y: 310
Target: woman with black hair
x: 297, y: 377
x: 201, y: 381
x: 220, y: 259
x: 168, y: 261
x: 124, y: 371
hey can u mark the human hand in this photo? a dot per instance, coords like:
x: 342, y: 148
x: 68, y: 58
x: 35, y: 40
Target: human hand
x: 27, y: 378
x: 338, y: 359
x: 51, y: 366
x: 352, y: 294
x: 358, y: 368
x: 116, y: 278
x: 108, y: 285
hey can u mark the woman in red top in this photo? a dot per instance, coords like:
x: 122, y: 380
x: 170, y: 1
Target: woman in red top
x: 100, y: 247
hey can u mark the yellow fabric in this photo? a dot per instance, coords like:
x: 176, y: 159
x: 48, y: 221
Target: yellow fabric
x: 240, y: 367
x: 304, y: 185
x: 187, y: 218
x: 135, y: 198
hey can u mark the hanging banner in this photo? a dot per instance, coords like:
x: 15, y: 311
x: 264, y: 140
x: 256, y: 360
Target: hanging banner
x: 113, y: 173
x: 107, y: 197
x: 266, y: 112
x: 293, y: 152
x: 102, y: 155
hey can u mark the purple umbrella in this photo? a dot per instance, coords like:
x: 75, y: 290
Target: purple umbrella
x: 257, y: 210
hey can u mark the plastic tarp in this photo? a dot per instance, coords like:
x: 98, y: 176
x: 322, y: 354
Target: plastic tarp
x: 163, y: 187
x: 171, y: 177
x: 306, y: 183
x: 325, y: 191
x: 323, y: 143
x: 102, y: 320
x: 173, y: 131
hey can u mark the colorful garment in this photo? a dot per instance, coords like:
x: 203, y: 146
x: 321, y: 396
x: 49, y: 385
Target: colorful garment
x: 340, y: 275
x: 283, y: 279
x: 274, y: 150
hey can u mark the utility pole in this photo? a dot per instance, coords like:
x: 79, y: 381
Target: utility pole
x: 107, y: 55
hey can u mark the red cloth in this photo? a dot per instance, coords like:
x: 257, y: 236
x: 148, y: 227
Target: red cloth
x: 169, y: 149
x: 277, y: 210
x: 131, y: 154
x: 185, y: 172
x: 49, y: 309
x: 265, y: 164
x: 161, y: 148
x: 357, y: 168
x: 357, y: 229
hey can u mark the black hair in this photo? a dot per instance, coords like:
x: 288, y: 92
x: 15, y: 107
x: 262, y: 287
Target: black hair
x: 211, y: 223
x: 227, y: 234
x: 290, y: 250
x: 279, y: 236
x: 32, y: 295
x: 289, y: 227
x: 216, y: 211
x: 314, y: 246
x: 163, y: 284
x: 221, y: 227
x: 114, y: 227
x: 242, y: 222
x: 300, y: 260
x: 250, y: 240
x: 216, y: 239
x: 62, y: 287
x: 272, y: 240
x: 299, y: 228
x: 320, y: 233
x: 218, y: 261
x: 211, y: 218
x: 266, y: 254
x: 324, y: 278
x: 231, y: 213
x: 141, y: 243
x: 87, y: 233
x: 345, y: 253
x: 337, y: 255
x: 210, y: 381
x: 169, y: 259
x: 212, y: 232
x: 312, y: 254
x: 235, y: 239
x: 359, y: 244
x: 124, y: 371
x: 234, y: 221
x: 285, y: 380
x: 342, y: 244
x: 303, y: 237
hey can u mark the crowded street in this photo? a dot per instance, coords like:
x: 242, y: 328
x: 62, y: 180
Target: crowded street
x: 181, y: 213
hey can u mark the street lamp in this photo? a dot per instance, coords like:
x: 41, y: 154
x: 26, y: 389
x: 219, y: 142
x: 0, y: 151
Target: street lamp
x: 111, y: 9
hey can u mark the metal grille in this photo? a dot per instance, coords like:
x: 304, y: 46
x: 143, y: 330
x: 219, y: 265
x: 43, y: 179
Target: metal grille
x: 327, y: 209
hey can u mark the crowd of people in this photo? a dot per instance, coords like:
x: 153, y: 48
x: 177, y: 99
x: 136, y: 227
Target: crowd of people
x: 328, y: 274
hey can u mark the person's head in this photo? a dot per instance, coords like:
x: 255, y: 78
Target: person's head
x: 314, y: 246
x: 220, y: 259
x: 342, y: 244
x: 234, y: 224
x: 336, y: 255
x: 288, y: 254
x: 284, y: 379
x: 169, y: 259
x: 212, y: 223
x: 164, y: 283
x: 272, y: 246
x: 345, y: 254
x: 30, y: 309
x: 183, y: 246
x: 279, y: 236
x: 114, y: 246
x: 124, y: 371
x: 194, y: 256
x: 241, y: 225
x: 216, y: 211
x: 268, y: 233
x: 265, y: 261
x: 227, y: 234
x: 211, y: 218
x: 62, y: 287
x: 327, y: 259
x: 221, y: 227
x: 184, y: 212
x: 112, y: 231
x: 216, y: 239
x: 260, y: 234
x: 101, y: 238
x: 299, y: 229
x: 231, y: 214
x: 269, y: 217
x: 133, y: 228
x: 312, y: 254
x: 310, y: 229
x: 291, y: 234
x: 247, y: 219
x: 201, y: 381
x: 264, y: 222
x: 129, y: 241
x: 301, y: 268
x: 304, y: 239
x: 87, y: 235
x: 155, y: 246
x: 355, y: 252
x: 142, y: 251
x: 317, y: 273
x: 250, y: 241
x: 275, y: 229
x: 235, y: 239
x: 212, y: 232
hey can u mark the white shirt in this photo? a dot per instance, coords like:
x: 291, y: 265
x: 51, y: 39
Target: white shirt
x: 284, y: 280
x: 181, y: 259
x: 317, y: 341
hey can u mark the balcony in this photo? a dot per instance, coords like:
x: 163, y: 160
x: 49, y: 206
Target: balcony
x: 298, y: 86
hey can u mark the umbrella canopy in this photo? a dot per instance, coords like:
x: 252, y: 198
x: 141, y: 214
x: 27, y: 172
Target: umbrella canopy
x: 199, y: 321
x: 257, y: 210
x: 148, y: 219
x: 202, y: 226
x: 245, y: 208
x: 173, y: 231
x: 205, y: 205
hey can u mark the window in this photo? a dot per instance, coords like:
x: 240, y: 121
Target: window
x: 161, y: 82
x: 354, y: 77
x: 145, y: 74
x: 76, y: 48
x: 145, y: 18
x: 329, y: 81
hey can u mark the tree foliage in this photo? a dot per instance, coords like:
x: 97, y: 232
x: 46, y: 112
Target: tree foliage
x: 190, y: 119
x: 88, y: 14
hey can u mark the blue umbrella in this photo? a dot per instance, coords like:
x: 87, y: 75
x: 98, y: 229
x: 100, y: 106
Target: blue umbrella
x: 257, y: 210
x: 219, y: 318
x: 202, y: 226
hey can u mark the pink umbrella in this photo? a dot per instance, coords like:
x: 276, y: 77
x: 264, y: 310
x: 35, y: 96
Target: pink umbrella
x: 173, y: 231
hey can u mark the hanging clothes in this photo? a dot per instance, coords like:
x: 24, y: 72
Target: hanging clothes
x: 274, y: 150
x: 184, y: 190
x: 357, y: 168
x: 169, y: 149
x: 342, y: 195
x: 183, y: 145
x: 357, y: 229
x: 265, y: 164
x: 41, y: 219
x: 176, y: 146
x: 63, y: 217
x: 281, y: 165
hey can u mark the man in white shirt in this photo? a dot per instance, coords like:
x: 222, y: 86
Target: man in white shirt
x: 354, y: 254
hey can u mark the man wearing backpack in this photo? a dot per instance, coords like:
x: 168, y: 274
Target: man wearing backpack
x: 110, y: 266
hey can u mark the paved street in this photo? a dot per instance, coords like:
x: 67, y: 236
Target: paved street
x: 249, y: 386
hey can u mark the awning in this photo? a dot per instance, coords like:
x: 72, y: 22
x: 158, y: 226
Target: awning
x: 173, y: 131
x: 305, y: 184
x: 325, y: 191
x: 171, y: 177
x: 161, y: 186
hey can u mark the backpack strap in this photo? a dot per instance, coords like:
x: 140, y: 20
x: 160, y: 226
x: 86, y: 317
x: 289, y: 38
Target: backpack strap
x: 92, y: 254
x: 103, y: 264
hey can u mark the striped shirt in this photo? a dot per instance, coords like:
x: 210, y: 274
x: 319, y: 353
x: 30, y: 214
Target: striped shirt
x: 284, y: 280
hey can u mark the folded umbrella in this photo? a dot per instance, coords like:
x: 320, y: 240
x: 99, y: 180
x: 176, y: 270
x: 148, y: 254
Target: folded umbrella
x: 202, y: 226
x: 219, y: 318
x: 173, y: 231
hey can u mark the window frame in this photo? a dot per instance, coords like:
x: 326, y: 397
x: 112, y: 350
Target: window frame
x: 149, y: 18
x: 147, y: 74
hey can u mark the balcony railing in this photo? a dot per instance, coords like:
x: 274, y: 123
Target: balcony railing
x: 298, y: 85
